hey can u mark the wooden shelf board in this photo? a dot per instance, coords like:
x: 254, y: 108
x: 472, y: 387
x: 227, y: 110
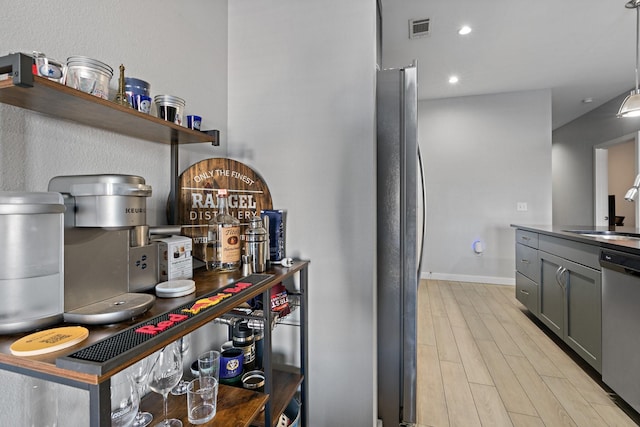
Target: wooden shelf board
x: 206, y: 281
x: 236, y: 407
x: 285, y: 385
x: 60, y: 101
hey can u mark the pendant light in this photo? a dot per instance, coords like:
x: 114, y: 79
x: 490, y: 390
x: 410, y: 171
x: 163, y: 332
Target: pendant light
x: 631, y: 105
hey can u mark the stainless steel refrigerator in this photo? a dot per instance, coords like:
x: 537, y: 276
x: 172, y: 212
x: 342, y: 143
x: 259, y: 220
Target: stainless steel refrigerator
x: 400, y: 230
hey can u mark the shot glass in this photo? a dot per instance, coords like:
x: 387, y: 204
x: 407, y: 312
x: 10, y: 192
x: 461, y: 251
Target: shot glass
x: 143, y: 104
x: 193, y: 122
x: 202, y: 399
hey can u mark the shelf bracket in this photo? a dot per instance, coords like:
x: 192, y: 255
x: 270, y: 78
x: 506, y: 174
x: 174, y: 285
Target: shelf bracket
x: 175, y: 181
x: 19, y: 68
x: 215, y: 136
x: 174, y: 193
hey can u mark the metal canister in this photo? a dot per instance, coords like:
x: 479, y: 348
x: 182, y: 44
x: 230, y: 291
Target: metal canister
x: 89, y: 75
x: 256, y: 244
x: 243, y: 339
x: 253, y: 380
x: 32, y: 265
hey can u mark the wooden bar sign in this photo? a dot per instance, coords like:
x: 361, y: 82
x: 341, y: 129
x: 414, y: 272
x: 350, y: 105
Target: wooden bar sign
x: 197, y: 201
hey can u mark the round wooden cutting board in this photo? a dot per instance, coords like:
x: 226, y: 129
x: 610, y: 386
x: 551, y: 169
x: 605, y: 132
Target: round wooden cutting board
x: 197, y: 201
x: 49, y: 340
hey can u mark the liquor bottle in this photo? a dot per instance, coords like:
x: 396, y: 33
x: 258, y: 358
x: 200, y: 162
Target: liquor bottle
x: 224, y: 237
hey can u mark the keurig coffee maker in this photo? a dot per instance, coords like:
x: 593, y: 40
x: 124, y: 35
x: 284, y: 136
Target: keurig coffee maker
x: 107, y: 253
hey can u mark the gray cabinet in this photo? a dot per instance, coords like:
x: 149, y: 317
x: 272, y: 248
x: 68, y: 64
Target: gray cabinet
x: 527, y: 270
x: 570, y: 295
x: 552, y: 293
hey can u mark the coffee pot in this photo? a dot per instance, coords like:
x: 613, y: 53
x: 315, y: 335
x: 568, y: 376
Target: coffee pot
x: 107, y: 254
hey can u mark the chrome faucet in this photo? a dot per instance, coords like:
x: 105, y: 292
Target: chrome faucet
x: 633, y: 191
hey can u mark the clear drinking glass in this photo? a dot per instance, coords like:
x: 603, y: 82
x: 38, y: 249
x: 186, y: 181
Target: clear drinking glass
x: 165, y: 374
x: 41, y: 407
x: 140, y: 375
x: 124, y: 400
x: 209, y: 364
x: 202, y: 397
x: 181, y: 388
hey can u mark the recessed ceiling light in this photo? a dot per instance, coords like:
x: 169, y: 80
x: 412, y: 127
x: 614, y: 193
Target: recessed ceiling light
x: 453, y: 80
x: 464, y: 30
x: 587, y: 100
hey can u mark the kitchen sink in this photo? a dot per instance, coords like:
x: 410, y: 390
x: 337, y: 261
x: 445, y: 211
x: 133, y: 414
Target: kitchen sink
x: 607, y: 234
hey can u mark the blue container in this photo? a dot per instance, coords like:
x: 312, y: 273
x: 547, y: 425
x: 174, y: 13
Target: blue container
x: 135, y: 89
x: 292, y: 412
x: 143, y: 103
x: 231, y: 363
x: 193, y: 122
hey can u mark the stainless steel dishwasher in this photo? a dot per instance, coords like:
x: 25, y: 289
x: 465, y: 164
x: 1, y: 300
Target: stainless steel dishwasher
x: 621, y: 324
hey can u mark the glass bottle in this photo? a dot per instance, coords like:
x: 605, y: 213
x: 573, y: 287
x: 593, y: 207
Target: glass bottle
x: 224, y: 237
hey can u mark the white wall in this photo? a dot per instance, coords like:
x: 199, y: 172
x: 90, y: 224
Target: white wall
x: 483, y: 155
x: 180, y: 48
x: 301, y: 110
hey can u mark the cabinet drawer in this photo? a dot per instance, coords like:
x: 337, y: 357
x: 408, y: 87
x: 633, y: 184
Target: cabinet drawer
x: 528, y: 238
x: 527, y: 293
x: 581, y: 253
x: 527, y: 262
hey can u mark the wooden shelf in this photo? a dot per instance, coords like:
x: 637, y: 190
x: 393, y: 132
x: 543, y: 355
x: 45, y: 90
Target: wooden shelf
x: 57, y: 100
x: 285, y: 386
x: 206, y: 281
x: 236, y: 407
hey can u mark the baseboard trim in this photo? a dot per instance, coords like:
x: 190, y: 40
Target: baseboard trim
x: 474, y: 279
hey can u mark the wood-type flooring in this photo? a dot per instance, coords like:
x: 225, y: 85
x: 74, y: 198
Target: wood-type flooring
x: 483, y: 360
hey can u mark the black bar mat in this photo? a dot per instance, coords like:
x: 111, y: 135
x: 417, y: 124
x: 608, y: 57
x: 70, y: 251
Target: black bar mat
x: 110, y: 352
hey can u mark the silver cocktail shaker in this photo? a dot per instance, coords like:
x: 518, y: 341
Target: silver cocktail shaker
x: 256, y: 244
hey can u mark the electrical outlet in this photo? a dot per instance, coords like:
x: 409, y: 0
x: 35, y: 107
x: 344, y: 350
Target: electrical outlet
x: 521, y: 206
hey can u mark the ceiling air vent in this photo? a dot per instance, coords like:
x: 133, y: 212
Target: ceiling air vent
x: 419, y: 28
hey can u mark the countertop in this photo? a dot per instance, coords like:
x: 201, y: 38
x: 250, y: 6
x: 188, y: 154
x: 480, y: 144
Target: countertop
x: 564, y: 231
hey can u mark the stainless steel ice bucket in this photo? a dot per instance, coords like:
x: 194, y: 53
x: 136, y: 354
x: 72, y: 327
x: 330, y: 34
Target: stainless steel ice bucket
x: 31, y: 260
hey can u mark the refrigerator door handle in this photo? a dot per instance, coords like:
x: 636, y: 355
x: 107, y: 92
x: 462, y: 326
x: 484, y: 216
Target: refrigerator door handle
x: 423, y: 195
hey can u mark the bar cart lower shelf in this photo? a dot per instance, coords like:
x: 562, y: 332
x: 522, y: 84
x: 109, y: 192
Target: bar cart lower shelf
x: 285, y: 385
x: 236, y: 406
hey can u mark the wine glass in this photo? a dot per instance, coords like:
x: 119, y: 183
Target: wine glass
x: 165, y: 374
x: 181, y: 388
x: 140, y: 375
x: 124, y: 400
